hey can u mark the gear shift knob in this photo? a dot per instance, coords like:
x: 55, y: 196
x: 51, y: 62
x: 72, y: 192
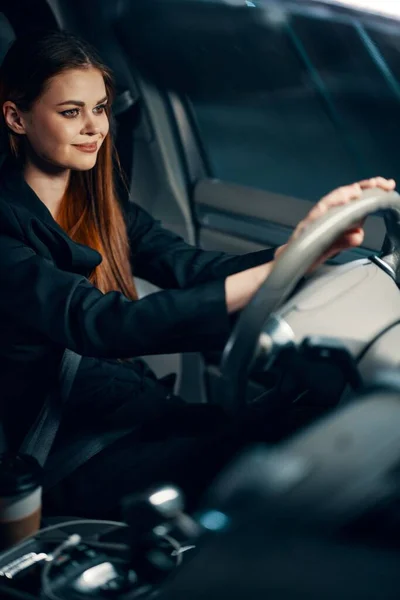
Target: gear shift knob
x: 156, y: 520
x: 152, y: 509
x: 167, y: 502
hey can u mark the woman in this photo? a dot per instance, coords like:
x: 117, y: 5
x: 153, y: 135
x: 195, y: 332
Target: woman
x: 67, y: 254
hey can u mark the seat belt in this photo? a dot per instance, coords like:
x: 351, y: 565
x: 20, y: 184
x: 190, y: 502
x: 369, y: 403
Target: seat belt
x: 40, y: 438
x: 39, y: 441
x: 65, y: 461
x: 87, y: 445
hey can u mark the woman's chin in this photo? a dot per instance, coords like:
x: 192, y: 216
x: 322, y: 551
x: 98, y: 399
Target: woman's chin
x: 83, y: 165
x: 56, y: 166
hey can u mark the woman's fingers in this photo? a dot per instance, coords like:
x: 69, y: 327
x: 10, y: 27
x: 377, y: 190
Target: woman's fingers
x: 341, y: 196
x: 338, y: 197
x: 380, y: 182
x: 351, y: 238
x: 354, y: 236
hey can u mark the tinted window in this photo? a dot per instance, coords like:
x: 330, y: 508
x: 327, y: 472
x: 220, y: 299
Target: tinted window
x: 295, y: 103
x: 7, y: 35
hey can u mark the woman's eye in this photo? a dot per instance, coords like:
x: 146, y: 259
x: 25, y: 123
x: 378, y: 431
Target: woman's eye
x: 99, y: 109
x: 71, y: 113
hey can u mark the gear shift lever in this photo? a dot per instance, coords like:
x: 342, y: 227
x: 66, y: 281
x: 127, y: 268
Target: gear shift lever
x: 155, y: 519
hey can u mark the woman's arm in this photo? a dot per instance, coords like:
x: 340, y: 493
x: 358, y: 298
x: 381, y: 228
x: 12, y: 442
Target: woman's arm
x: 241, y: 287
x: 67, y: 309
x: 166, y: 260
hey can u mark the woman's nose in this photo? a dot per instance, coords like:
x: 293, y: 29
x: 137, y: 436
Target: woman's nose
x: 90, y: 126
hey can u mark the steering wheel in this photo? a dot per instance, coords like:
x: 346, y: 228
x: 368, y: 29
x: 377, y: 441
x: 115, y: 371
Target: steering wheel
x: 291, y: 266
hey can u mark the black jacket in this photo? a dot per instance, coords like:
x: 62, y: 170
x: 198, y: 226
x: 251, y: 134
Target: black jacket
x: 47, y: 303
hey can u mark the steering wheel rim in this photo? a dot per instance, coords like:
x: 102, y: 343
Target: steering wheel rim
x: 289, y: 268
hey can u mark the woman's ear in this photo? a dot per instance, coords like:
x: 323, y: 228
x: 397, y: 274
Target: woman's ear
x: 13, y: 117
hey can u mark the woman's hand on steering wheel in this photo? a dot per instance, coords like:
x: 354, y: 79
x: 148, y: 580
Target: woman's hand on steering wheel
x: 334, y: 224
x: 241, y: 287
x: 352, y: 237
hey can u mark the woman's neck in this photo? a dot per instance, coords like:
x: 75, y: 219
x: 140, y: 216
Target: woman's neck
x: 49, y: 187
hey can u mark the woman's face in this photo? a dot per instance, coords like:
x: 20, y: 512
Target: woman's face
x: 68, y: 123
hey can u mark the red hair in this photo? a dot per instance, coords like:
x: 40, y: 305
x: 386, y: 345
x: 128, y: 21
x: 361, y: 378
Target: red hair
x: 90, y: 213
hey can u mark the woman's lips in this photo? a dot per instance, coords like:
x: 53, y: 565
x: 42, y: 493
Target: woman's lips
x: 86, y: 147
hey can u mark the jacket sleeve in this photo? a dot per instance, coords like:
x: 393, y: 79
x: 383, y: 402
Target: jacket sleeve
x: 165, y: 259
x: 65, y: 308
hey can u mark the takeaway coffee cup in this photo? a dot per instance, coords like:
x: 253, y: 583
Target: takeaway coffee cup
x: 20, y: 498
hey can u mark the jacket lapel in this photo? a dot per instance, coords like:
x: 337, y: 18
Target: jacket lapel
x: 40, y: 229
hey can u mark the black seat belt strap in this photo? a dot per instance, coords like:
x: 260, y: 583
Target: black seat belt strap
x: 86, y: 446
x: 41, y: 436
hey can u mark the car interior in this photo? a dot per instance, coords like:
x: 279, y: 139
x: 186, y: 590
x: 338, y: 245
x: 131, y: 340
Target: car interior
x: 232, y: 118
x: 174, y: 116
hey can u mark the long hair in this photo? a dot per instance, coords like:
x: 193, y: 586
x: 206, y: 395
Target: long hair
x: 90, y: 211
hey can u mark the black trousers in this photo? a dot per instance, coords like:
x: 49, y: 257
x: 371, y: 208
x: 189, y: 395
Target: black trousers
x: 187, y: 445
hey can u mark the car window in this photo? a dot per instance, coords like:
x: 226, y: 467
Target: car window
x: 294, y: 101
x: 7, y: 35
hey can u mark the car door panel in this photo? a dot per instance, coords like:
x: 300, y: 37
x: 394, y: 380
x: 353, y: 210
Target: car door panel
x: 241, y: 219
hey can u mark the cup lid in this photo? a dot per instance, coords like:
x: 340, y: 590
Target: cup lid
x: 19, y: 474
